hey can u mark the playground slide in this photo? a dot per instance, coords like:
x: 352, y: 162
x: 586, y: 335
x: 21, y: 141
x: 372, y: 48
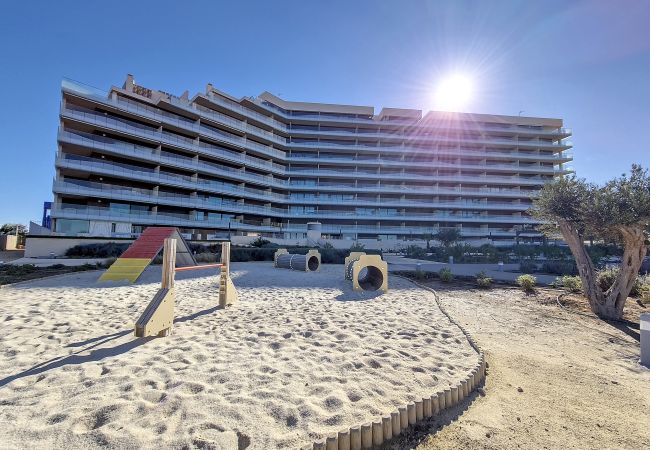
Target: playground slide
x: 136, y: 258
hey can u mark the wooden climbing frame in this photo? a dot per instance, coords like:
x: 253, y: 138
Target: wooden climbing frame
x: 157, y: 319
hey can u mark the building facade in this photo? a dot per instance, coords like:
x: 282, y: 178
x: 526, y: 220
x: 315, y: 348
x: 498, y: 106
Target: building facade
x: 218, y: 166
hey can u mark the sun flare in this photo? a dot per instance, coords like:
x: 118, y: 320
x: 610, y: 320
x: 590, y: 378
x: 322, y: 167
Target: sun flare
x: 454, y: 93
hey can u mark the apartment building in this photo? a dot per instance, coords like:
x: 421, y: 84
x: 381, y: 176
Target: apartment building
x: 219, y: 166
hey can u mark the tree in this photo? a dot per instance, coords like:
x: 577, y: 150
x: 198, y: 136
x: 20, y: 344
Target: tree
x: 618, y: 211
x: 447, y: 236
x: 10, y: 228
x: 428, y: 237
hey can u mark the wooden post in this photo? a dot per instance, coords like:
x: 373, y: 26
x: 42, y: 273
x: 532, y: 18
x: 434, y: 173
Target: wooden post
x: 355, y: 438
x: 227, y: 291
x: 435, y: 404
x: 366, y: 435
x: 454, y: 395
x: 331, y: 443
x: 410, y: 408
x: 158, y: 318
x: 169, y: 263
x: 344, y: 440
x: 419, y: 410
x: 388, y: 427
x: 403, y: 418
x: 448, y: 399
x: 426, y: 407
x: 377, y: 433
x: 394, y: 418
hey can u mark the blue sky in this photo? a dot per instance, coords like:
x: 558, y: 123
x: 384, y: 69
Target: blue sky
x: 587, y: 62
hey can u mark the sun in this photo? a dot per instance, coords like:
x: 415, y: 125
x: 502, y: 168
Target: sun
x: 454, y: 93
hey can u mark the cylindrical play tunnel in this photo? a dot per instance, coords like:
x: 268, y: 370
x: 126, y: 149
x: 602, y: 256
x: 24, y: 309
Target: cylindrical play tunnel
x: 306, y: 263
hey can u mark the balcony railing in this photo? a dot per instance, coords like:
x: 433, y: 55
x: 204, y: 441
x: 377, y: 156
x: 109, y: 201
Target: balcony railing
x: 103, y: 190
x: 166, y: 117
x: 146, y: 152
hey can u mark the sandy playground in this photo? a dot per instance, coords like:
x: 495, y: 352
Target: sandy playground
x: 299, y: 357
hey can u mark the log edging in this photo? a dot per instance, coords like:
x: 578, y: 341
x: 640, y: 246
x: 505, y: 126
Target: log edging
x: 380, y: 430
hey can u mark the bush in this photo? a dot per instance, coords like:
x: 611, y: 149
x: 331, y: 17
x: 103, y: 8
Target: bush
x: 206, y: 257
x: 445, y: 275
x: 644, y: 287
x: 483, y: 281
x: 569, y: 283
x: 357, y: 247
x: 560, y: 267
x: 97, y: 250
x: 607, y: 276
x: 527, y: 282
x: 527, y: 266
x: 108, y: 262
x: 260, y: 242
x: 413, y: 251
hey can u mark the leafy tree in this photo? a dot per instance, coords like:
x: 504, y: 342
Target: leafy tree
x: 413, y: 251
x: 260, y: 242
x: 618, y: 211
x: 447, y: 236
x: 428, y: 237
x: 10, y: 228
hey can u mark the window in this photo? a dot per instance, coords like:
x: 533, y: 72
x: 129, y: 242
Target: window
x: 72, y: 226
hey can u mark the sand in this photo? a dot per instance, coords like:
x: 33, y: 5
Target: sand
x: 299, y: 357
x: 556, y: 379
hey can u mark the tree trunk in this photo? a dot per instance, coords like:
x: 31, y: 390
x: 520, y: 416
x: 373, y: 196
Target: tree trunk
x: 585, y: 265
x: 607, y: 305
x: 633, y: 254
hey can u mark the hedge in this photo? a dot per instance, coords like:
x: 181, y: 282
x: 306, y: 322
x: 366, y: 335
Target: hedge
x: 205, y: 253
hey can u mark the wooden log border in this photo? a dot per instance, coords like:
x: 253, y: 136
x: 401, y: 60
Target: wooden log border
x: 380, y: 430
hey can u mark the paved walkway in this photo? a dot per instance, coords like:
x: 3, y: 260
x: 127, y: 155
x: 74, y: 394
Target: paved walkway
x: 506, y: 273
x: 10, y: 255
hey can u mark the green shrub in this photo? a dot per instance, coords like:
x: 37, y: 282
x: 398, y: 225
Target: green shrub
x: 445, y: 275
x: 607, y: 276
x: 527, y: 266
x: 260, y: 242
x: 413, y: 251
x: 569, y: 283
x: 206, y: 257
x: 645, y: 290
x: 483, y: 281
x: 357, y: 247
x: 560, y: 267
x: 527, y: 282
x: 97, y: 250
x: 108, y: 262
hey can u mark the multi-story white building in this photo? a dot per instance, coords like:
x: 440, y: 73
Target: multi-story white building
x: 215, y: 166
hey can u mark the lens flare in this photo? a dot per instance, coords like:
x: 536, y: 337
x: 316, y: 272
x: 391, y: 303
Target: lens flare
x: 454, y: 93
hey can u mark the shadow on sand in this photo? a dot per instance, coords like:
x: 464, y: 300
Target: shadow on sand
x: 96, y: 354
x: 632, y: 329
x: 418, y: 433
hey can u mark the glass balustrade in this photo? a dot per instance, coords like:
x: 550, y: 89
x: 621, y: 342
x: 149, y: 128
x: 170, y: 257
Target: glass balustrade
x: 174, y: 139
x: 167, y: 117
x: 95, y: 142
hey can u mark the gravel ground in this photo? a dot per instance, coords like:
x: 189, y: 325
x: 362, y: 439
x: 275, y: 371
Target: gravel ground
x: 557, y: 378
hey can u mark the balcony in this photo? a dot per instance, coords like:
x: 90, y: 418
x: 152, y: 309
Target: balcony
x: 123, y: 193
x: 149, y: 218
x: 166, y: 117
